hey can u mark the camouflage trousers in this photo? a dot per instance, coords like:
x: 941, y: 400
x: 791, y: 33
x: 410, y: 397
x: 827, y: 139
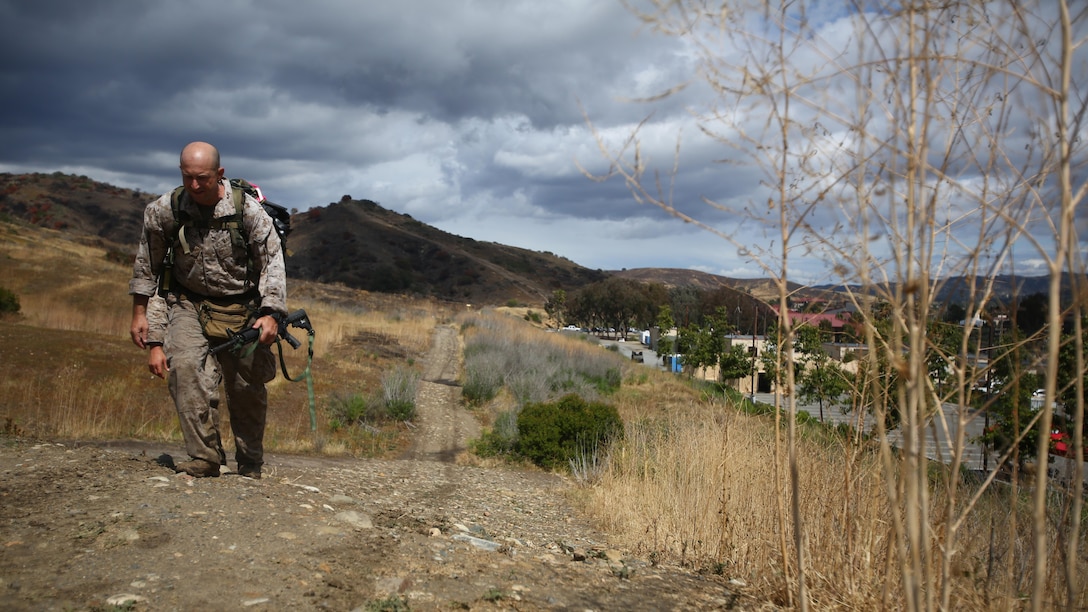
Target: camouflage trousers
x: 194, y: 380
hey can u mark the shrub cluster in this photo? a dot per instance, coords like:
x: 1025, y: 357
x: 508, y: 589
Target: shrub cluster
x: 533, y: 371
x: 501, y: 439
x: 9, y: 302
x: 399, y: 393
x: 395, y: 402
x: 551, y: 435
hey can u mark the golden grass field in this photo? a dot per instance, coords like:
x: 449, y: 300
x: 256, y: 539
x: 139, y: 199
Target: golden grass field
x: 69, y: 371
x: 695, y: 481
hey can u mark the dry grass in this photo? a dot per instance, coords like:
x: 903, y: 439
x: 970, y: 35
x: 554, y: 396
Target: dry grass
x: 695, y: 481
x: 68, y: 370
x: 720, y: 462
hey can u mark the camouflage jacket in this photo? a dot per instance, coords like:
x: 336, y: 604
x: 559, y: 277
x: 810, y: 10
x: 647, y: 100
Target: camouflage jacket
x: 214, y: 267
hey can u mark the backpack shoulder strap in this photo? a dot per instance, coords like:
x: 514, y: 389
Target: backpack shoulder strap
x: 175, y: 209
x: 236, y: 222
x: 239, y: 196
x: 239, y: 188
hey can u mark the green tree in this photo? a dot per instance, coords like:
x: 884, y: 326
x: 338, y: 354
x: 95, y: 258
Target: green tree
x: 616, y: 303
x: 691, y: 344
x: 1031, y: 313
x: 735, y: 363
x: 1010, y: 414
x: 954, y: 313
x: 821, y: 379
x: 665, y: 324
x: 943, y: 348
x: 686, y: 305
x: 555, y: 306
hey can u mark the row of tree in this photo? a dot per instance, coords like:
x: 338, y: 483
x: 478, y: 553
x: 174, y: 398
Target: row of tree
x: 1000, y: 382
x: 623, y: 304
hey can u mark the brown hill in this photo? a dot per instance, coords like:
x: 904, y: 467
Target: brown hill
x: 761, y: 289
x: 361, y: 244
x: 356, y: 243
x: 75, y: 204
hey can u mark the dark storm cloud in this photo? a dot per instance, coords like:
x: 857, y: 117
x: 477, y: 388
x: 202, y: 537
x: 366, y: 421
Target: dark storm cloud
x: 470, y: 115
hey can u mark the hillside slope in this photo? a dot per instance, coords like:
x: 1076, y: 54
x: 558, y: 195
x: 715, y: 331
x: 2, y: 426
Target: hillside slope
x: 357, y: 243
x: 363, y: 245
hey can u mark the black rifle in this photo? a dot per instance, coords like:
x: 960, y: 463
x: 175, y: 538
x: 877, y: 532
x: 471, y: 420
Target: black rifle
x: 297, y: 319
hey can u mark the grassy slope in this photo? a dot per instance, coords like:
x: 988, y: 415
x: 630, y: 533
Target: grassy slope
x: 68, y: 369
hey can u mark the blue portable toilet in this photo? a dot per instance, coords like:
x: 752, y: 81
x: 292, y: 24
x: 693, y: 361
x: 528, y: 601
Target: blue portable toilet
x: 675, y: 365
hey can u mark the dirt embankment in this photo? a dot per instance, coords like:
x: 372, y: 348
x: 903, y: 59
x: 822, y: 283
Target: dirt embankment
x: 105, y: 527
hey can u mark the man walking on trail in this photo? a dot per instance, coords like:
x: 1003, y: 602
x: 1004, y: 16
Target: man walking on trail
x: 210, y: 251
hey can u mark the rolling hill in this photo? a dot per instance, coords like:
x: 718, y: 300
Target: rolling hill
x: 362, y: 245
x: 356, y: 243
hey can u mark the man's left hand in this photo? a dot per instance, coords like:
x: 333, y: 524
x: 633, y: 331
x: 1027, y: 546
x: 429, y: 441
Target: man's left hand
x: 269, y: 329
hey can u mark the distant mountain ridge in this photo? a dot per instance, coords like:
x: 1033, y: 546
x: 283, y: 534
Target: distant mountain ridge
x: 958, y: 289
x: 362, y: 245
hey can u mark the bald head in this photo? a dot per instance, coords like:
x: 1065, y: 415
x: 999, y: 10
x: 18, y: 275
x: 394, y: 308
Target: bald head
x: 201, y: 173
x: 200, y: 154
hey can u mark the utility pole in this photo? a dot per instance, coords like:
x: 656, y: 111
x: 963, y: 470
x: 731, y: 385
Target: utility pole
x: 989, y: 392
x: 753, y: 352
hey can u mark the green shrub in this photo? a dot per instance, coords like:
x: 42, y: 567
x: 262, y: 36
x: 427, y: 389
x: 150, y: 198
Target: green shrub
x: 483, y: 376
x: 9, y: 302
x: 345, y: 411
x: 551, y: 434
x: 607, y: 382
x: 400, y: 410
x: 500, y: 440
x: 393, y: 603
x: 399, y: 393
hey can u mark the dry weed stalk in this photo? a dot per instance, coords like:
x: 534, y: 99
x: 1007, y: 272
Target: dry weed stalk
x: 905, y: 143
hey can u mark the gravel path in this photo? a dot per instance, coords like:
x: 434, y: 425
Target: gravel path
x: 102, y: 527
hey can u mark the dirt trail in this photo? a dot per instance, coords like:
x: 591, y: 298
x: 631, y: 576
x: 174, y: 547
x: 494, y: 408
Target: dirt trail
x: 444, y: 429
x: 92, y: 527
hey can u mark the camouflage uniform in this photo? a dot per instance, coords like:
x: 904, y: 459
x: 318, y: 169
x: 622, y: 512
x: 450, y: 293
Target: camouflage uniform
x: 213, y: 268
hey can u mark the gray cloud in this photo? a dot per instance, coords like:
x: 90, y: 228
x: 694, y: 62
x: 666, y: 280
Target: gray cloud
x: 468, y: 115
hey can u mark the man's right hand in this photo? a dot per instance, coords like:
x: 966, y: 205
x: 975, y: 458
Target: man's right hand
x: 139, y: 330
x: 156, y: 362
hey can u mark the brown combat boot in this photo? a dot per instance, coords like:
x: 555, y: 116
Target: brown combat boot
x: 249, y: 470
x: 198, y: 468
